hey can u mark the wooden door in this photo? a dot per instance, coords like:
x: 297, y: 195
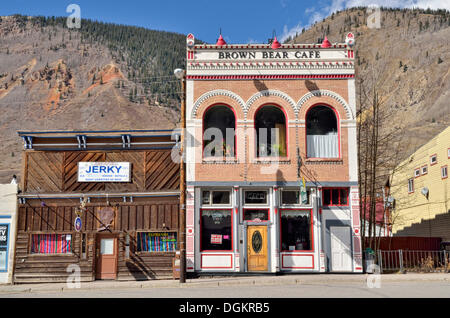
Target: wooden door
x: 257, y: 255
x: 341, y: 254
x: 106, y: 256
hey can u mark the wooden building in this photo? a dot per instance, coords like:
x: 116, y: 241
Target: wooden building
x: 129, y: 221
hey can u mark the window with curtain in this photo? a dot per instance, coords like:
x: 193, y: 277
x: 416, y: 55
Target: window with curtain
x: 296, y: 232
x: 322, y: 140
x: 51, y: 243
x: 219, y: 125
x: 270, y: 126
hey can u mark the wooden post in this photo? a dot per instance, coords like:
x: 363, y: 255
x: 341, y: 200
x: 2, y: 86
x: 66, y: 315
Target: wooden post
x: 182, y: 225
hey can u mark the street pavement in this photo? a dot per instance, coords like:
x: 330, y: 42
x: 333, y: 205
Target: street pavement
x: 430, y: 285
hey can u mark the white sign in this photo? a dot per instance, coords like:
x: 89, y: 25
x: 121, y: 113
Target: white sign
x: 103, y: 172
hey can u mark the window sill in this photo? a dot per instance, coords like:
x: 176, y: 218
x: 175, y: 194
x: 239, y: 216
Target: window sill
x: 220, y: 161
x: 264, y: 160
x: 325, y: 160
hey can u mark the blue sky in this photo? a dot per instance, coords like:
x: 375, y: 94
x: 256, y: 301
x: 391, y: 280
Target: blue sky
x: 242, y: 21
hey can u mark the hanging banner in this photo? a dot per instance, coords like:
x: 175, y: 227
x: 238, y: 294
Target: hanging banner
x: 104, y: 172
x: 303, y: 194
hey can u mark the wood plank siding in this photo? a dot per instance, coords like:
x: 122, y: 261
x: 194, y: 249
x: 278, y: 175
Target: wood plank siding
x: 50, y: 172
x: 130, y: 218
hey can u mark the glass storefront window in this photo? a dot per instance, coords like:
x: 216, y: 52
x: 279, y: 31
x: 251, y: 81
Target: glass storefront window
x: 296, y: 234
x: 216, y: 229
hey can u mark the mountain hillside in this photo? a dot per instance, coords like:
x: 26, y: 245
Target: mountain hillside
x: 103, y: 76
x: 408, y: 58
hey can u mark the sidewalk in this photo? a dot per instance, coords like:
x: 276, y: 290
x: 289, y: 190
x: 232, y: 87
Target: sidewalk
x: 307, y: 279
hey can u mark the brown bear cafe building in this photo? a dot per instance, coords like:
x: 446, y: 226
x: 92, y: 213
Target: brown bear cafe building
x: 272, y: 183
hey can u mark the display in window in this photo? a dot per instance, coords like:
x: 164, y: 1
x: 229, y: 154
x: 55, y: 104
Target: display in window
x: 335, y: 197
x: 156, y: 241
x: 296, y: 230
x: 216, y: 227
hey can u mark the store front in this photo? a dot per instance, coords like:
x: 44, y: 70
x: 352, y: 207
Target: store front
x: 99, y: 205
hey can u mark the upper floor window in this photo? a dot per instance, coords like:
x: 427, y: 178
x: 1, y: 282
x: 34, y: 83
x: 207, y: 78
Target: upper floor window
x: 417, y: 172
x: 410, y: 185
x: 444, y: 172
x: 424, y: 170
x: 270, y: 125
x: 322, y: 139
x: 433, y: 160
x: 219, y: 125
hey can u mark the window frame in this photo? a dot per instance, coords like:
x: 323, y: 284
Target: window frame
x: 30, y: 244
x: 223, y: 158
x: 442, y: 170
x: 338, y: 123
x: 412, y: 185
x: 154, y: 252
x: 308, y: 193
x: 211, y: 204
x: 311, y: 233
x: 421, y: 170
x: 431, y: 160
x: 256, y: 156
x: 339, y: 197
x: 201, y: 228
x: 416, y: 172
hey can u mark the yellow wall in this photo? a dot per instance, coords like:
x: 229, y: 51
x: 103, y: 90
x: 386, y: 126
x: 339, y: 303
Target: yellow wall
x: 414, y: 207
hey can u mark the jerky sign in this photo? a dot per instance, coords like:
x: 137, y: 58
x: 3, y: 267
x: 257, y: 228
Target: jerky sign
x: 103, y: 172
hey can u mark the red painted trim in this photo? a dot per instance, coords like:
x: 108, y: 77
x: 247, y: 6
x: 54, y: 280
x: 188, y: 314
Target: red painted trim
x: 445, y: 166
x: 269, y: 77
x: 282, y: 261
x: 448, y: 153
x: 203, y: 131
x: 216, y: 267
x: 249, y: 221
x: 338, y: 123
x: 286, y: 121
x: 312, y: 230
x: 263, y: 46
x: 432, y: 164
x: 232, y: 228
x: 339, y: 196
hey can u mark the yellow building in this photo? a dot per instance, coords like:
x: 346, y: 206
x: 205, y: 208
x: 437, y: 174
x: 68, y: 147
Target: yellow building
x: 421, y: 191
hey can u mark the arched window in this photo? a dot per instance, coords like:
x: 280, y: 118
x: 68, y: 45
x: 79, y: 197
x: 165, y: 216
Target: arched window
x: 322, y: 140
x: 270, y: 125
x: 219, y: 124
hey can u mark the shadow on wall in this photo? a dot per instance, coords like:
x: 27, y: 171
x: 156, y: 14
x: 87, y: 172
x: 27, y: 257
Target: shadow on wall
x: 311, y: 86
x: 260, y: 86
x: 280, y: 178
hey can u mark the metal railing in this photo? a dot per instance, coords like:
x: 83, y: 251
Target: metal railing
x: 414, y: 261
